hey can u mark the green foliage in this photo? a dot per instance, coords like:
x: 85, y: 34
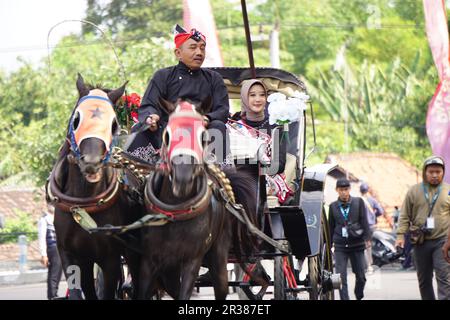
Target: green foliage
x: 23, y: 223
x: 32, y: 129
x: 383, y: 109
x: 135, y: 18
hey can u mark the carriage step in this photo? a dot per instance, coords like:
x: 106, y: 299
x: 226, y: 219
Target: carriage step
x: 203, y: 284
x: 301, y: 289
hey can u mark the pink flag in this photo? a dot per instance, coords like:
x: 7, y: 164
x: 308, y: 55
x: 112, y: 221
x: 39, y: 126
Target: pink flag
x: 198, y: 14
x: 438, y: 117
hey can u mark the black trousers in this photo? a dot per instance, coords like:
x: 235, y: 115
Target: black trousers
x: 358, y: 262
x: 54, y: 272
x: 429, y: 258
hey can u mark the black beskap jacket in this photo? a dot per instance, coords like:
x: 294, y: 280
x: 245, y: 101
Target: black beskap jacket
x: 336, y: 221
x: 180, y: 82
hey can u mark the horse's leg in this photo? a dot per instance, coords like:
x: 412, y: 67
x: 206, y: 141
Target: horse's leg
x: 147, y: 279
x: 111, y: 276
x: 189, y: 274
x: 133, y: 261
x: 71, y: 274
x: 218, y: 258
x: 87, y: 280
x: 171, y: 281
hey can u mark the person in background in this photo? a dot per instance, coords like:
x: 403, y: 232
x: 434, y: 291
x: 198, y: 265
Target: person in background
x: 426, y: 215
x: 49, y: 252
x: 374, y: 210
x: 350, y: 234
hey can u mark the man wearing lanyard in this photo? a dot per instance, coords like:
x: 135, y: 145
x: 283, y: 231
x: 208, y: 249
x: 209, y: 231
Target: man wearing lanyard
x: 426, y: 211
x: 350, y: 235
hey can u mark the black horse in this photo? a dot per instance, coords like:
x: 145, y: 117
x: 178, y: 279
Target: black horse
x: 185, y: 191
x: 81, y: 179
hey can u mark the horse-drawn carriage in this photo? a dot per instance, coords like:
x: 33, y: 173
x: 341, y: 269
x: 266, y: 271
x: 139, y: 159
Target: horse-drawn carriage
x: 299, y: 226
x: 153, y: 225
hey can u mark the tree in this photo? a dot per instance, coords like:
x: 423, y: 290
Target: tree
x: 384, y: 109
x: 136, y: 19
x: 36, y: 106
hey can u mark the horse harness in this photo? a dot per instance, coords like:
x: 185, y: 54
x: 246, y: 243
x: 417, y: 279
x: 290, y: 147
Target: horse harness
x: 159, y: 213
x: 217, y: 184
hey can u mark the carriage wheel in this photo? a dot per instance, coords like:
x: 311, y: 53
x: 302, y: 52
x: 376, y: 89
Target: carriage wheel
x: 279, y: 282
x: 284, y: 278
x: 99, y: 281
x: 319, y: 265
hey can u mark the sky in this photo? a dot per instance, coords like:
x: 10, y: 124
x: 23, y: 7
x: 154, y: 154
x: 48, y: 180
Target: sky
x: 25, y: 24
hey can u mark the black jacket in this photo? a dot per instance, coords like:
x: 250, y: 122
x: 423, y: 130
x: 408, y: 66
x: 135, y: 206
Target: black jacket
x: 180, y: 82
x: 357, y: 214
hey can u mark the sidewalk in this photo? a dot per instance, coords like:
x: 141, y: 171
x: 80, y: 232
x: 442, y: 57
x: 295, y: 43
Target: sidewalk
x: 10, y: 274
x: 8, y: 278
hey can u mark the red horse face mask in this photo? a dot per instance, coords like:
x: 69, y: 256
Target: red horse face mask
x: 184, y: 133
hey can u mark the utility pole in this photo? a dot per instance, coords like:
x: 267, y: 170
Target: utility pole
x: 275, y: 46
x: 248, y: 39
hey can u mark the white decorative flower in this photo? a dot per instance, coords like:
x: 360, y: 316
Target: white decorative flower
x: 277, y: 96
x: 301, y: 95
x: 283, y: 110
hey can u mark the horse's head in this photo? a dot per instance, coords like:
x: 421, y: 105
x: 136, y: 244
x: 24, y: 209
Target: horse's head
x: 92, y: 127
x: 183, y: 145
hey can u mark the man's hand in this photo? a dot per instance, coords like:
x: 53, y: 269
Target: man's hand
x: 400, y: 243
x: 44, y: 261
x: 368, y: 244
x: 152, y: 121
x: 446, y: 251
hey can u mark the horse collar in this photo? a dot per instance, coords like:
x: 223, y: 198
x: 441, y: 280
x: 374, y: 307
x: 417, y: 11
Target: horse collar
x: 94, y: 204
x: 184, y: 211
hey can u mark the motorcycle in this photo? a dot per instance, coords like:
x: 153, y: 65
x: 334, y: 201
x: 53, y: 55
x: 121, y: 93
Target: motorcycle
x: 384, y: 250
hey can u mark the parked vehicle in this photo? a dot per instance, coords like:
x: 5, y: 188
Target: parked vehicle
x: 384, y: 250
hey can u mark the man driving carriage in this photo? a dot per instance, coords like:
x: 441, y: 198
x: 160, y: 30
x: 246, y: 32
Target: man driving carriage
x: 186, y: 80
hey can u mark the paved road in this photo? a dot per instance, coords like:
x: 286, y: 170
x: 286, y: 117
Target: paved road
x: 384, y: 284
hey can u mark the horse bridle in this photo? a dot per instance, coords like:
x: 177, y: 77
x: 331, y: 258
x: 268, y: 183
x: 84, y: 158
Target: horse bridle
x: 94, y: 204
x: 74, y: 147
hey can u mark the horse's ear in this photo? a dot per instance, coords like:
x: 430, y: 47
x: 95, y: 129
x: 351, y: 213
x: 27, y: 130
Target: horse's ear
x: 115, y: 94
x: 167, y: 106
x: 81, y: 86
x: 206, y: 105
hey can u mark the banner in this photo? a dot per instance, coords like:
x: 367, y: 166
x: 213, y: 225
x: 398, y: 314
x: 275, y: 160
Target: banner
x: 438, y: 117
x: 198, y: 14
